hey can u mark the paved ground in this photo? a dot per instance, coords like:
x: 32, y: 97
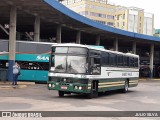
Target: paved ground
x: 144, y: 97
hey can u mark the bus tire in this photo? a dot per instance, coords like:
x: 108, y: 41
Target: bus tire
x: 60, y: 93
x: 90, y: 95
x: 94, y: 90
x: 126, y: 85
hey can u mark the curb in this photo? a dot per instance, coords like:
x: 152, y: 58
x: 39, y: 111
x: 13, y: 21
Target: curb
x: 19, y: 83
x: 148, y: 79
x: 8, y: 85
x: 4, y: 87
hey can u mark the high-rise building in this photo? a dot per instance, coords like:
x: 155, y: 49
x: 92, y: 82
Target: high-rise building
x: 134, y: 20
x: 97, y: 10
x: 131, y: 19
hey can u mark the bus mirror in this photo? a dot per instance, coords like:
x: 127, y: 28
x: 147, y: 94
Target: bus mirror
x: 49, y: 62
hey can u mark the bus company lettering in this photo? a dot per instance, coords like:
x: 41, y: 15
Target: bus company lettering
x: 42, y: 58
x: 127, y: 74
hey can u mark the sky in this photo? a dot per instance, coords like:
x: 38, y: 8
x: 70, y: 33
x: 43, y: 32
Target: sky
x: 149, y: 6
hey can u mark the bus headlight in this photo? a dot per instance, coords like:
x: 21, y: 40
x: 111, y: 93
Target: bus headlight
x: 49, y: 85
x: 80, y: 88
x: 64, y: 79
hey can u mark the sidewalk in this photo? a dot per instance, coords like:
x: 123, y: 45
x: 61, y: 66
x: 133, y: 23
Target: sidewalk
x: 149, y: 79
x: 8, y: 85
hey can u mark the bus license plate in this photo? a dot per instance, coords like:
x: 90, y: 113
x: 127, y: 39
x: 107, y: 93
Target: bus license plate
x: 64, y: 87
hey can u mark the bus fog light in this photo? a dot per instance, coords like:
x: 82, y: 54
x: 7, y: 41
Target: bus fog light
x: 75, y: 87
x: 53, y: 85
x: 49, y: 85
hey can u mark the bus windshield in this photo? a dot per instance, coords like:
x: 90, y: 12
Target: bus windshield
x: 70, y: 64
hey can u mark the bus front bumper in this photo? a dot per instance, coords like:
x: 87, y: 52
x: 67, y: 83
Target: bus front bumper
x: 69, y: 87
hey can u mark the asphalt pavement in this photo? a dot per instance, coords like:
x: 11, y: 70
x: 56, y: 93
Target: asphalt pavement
x: 36, y: 97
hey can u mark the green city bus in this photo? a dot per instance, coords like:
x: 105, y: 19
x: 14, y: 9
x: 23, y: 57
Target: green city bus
x: 82, y: 69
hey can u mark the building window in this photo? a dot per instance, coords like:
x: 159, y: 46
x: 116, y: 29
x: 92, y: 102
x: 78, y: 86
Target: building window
x: 102, y: 22
x: 117, y: 24
x: 71, y: 1
x: 117, y: 17
x: 97, y: 15
x: 123, y: 16
x: 110, y: 17
x: 123, y: 24
x: 77, y: 1
x: 99, y: 1
x: 84, y: 13
x: 110, y: 23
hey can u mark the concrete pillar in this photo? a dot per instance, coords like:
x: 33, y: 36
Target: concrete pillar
x: 37, y: 29
x: 116, y: 44
x: 134, y: 48
x: 98, y: 40
x: 151, y: 59
x: 78, y: 37
x: 12, y: 41
x: 58, y: 36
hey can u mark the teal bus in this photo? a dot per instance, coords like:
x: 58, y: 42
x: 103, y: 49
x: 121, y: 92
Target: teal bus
x: 33, y: 58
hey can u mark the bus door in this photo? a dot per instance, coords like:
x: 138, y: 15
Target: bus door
x: 95, y: 69
x: 95, y: 66
x: 94, y: 60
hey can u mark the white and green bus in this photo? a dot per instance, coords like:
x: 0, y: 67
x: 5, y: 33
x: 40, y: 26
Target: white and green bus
x: 76, y: 68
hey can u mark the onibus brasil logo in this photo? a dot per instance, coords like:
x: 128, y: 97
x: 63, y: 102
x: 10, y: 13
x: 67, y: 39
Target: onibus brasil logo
x: 21, y: 114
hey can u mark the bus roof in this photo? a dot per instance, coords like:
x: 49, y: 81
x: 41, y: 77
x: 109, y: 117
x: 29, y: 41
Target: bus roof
x: 34, y: 42
x: 4, y: 52
x: 94, y: 48
x: 48, y: 43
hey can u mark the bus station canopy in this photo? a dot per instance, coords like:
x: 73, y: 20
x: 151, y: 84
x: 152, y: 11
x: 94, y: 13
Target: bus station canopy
x: 53, y: 13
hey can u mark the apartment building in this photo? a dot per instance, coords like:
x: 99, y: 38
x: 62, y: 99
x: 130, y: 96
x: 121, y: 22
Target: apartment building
x: 97, y: 10
x: 130, y: 19
x: 134, y: 20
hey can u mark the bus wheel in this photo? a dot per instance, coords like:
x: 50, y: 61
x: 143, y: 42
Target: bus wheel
x: 60, y: 93
x: 94, y: 90
x: 90, y: 95
x: 125, y: 89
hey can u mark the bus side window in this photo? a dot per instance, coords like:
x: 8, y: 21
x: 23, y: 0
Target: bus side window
x: 119, y: 60
x: 136, y: 62
x: 126, y: 61
x: 112, y: 59
x: 95, y: 66
x: 105, y: 59
x: 131, y: 62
